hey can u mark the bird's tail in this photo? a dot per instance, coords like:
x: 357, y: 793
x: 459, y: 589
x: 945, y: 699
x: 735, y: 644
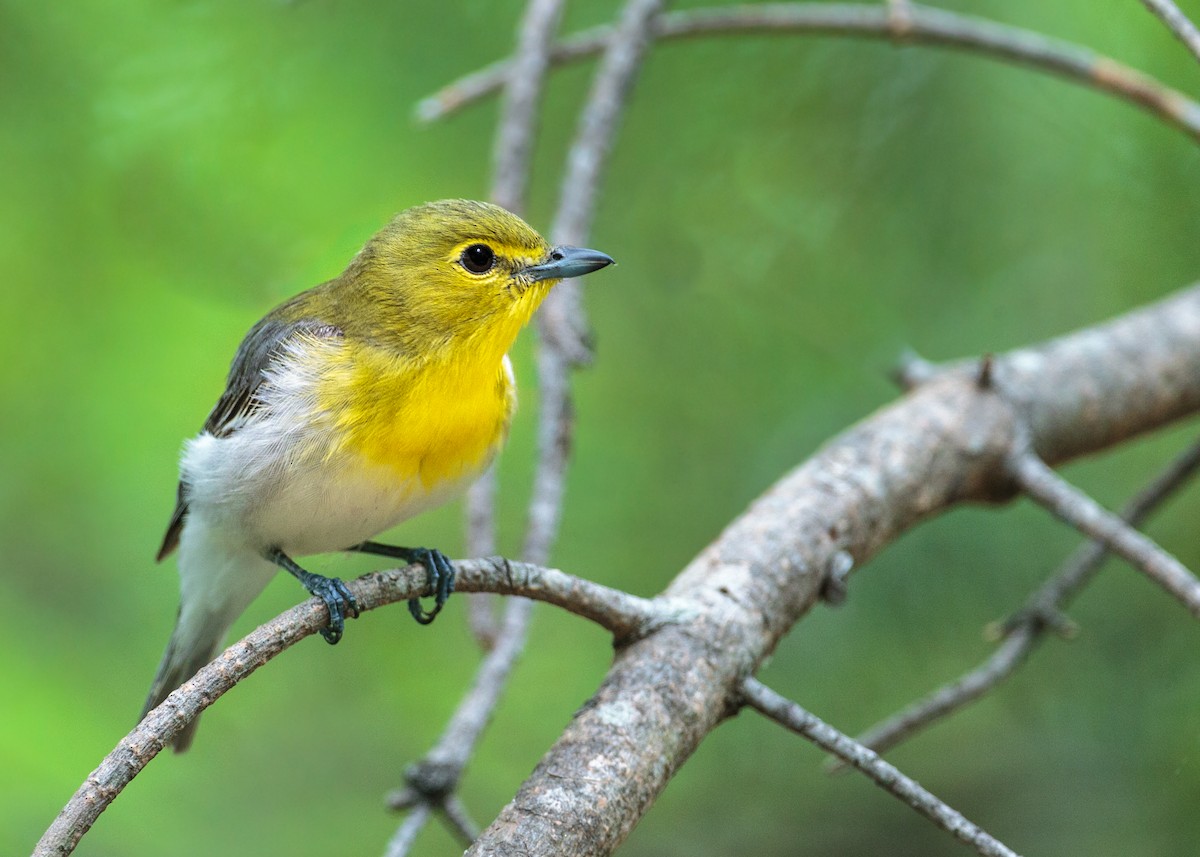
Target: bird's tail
x: 218, y: 580
x: 188, y: 651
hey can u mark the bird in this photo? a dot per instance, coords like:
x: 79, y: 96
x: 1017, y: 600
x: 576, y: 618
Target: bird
x: 349, y: 408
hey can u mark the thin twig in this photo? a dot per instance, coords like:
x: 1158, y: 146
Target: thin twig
x: 1072, y: 506
x: 405, y: 836
x: 900, y: 15
x: 459, y: 820
x: 1074, y: 574
x: 886, y: 776
x: 1027, y: 629
x: 948, y: 698
x: 1179, y: 23
x: 435, y: 776
x: 928, y: 26
x: 512, y: 154
x: 562, y: 323
x: 513, y: 149
x: 623, y: 614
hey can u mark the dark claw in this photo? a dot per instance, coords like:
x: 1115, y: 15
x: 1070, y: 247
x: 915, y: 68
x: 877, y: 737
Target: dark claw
x: 337, y: 597
x: 339, y: 601
x: 440, y: 573
x: 439, y: 570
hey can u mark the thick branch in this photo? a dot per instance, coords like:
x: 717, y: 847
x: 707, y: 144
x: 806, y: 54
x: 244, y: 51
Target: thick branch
x: 886, y: 776
x: 923, y: 25
x: 945, y: 443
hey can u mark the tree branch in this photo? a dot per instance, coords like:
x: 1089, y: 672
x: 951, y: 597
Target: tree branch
x: 886, y: 776
x: 945, y: 443
x: 435, y: 777
x: 949, y: 698
x: 405, y: 836
x: 900, y: 14
x: 925, y: 26
x: 1177, y: 22
x: 1023, y: 632
x: 623, y: 614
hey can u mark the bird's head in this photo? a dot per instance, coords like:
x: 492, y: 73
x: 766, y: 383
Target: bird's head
x: 456, y: 269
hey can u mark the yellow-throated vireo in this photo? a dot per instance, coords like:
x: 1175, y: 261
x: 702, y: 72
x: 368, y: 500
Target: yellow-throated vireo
x: 350, y: 408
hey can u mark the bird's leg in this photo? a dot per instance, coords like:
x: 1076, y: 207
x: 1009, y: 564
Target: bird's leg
x: 437, y: 567
x: 338, y: 599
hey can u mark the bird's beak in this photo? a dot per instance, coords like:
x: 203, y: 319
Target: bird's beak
x: 564, y: 262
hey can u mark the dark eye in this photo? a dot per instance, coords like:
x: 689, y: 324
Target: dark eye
x: 478, y: 258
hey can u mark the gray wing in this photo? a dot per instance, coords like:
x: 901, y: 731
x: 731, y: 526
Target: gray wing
x: 239, y: 401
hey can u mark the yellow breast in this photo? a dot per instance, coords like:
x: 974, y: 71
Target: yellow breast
x: 438, y: 421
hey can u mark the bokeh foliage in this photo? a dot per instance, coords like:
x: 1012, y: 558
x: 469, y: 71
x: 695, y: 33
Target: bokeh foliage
x: 787, y: 213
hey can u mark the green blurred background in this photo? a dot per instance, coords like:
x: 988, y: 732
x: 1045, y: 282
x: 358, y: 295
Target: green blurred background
x: 787, y: 212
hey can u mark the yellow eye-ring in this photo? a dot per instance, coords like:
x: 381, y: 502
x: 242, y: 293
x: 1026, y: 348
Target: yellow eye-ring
x: 478, y: 259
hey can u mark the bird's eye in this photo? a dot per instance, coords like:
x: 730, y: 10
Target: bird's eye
x: 478, y: 258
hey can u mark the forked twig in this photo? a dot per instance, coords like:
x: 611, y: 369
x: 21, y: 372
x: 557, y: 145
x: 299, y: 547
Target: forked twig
x: 1027, y: 629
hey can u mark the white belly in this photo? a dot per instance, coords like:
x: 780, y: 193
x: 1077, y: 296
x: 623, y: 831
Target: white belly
x: 276, y: 488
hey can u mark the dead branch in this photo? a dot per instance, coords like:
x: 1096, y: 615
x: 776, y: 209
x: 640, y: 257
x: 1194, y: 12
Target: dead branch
x: 1024, y: 631
x: 925, y: 25
x: 947, y: 442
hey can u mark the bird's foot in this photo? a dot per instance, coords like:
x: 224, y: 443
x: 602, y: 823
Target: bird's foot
x: 339, y: 600
x: 440, y: 573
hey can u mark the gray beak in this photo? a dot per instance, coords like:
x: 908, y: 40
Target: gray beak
x: 565, y: 262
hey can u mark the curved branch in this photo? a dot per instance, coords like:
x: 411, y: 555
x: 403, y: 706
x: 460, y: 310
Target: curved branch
x: 921, y: 25
x: 619, y: 612
x: 945, y: 443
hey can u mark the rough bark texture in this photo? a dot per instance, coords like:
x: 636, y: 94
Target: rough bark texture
x: 944, y: 443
